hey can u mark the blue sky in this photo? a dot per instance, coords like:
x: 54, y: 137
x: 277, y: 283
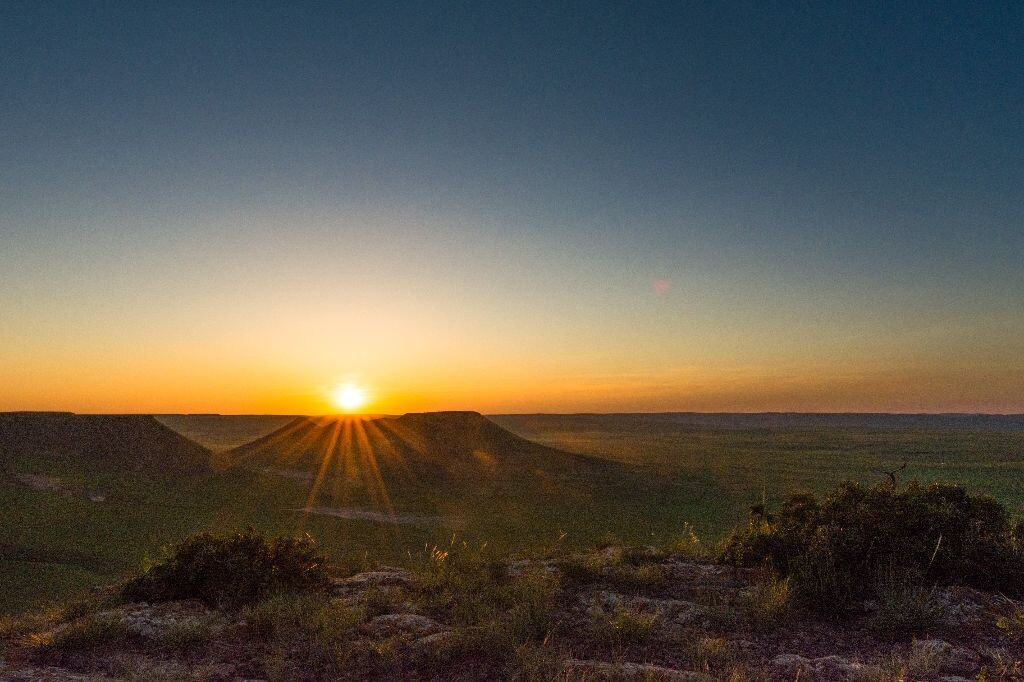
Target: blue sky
x: 833, y: 193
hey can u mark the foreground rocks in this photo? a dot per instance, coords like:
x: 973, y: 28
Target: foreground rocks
x: 609, y: 615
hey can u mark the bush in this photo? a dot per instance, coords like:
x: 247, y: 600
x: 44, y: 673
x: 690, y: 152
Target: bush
x: 903, y: 607
x: 835, y: 549
x: 231, y: 571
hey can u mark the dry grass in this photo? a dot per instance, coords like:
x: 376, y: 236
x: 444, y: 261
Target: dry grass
x: 904, y: 608
x: 768, y: 603
x: 622, y: 626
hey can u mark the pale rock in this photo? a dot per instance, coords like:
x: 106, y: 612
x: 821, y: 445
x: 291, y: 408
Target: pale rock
x: 576, y: 669
x: 411, y: 624
x: 955, y: 659
x: 382, y: 578
x: 826, y: 668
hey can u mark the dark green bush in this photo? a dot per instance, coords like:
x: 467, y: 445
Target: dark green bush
x: 231, y: 571
x: 835, y: 548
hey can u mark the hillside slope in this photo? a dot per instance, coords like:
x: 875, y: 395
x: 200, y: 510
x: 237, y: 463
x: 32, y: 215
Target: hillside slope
x: 423, y: 446
x: 137, y: 443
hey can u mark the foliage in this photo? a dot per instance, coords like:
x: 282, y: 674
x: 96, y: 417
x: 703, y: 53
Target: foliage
x: 1012, y: 625
x: 904, y: 608
x: 231, y: 571
x: 836, y: 548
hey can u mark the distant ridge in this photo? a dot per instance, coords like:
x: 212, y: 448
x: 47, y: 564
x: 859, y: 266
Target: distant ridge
x: 422, y: 444
x: 133, y: 442
x: 756, y: 420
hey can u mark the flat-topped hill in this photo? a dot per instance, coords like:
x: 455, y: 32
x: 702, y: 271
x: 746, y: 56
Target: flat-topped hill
x: 132, y: 442
x: 422, y: 444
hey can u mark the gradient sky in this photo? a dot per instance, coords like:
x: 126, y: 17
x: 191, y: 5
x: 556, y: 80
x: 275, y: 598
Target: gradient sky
x: 566, y: 207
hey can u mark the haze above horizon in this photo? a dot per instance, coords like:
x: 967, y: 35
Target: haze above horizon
x: 240, y: 208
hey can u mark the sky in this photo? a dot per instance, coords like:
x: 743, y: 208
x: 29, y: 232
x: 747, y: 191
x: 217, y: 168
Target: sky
x: 237, y: 206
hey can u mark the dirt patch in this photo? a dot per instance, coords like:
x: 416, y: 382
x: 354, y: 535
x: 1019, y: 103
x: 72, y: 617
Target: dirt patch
x: 379, y: 517
x: 56, y: 485
x: 294, y: 474
x: 42, y: 482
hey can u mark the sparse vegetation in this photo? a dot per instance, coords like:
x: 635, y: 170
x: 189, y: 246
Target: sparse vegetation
x: 472, y: 587
x: 768, y: 603
x: 231, y: 571
x: 84, y: 633
x: 710, y: 654
x: 622, y: 626
x: 903, y: 606
x: 646, y: 578
x: 468, y: 609
x: 1012, y: 625
x: 307, y: 636
x: 687, y: 543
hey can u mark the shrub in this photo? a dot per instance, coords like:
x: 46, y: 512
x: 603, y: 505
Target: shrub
x: 231, y: 571
x: 904, y: 608
x: 836, y: 548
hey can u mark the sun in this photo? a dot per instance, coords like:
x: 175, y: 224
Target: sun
x: 349, y: 397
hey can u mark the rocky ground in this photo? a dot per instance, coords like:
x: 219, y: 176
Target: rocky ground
x: 609, y: 615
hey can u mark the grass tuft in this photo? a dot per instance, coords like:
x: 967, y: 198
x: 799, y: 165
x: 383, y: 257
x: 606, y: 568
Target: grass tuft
x: 623, y: 626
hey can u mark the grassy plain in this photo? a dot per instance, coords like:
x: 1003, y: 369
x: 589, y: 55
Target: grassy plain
x: 223, y: 432
x: 744, y: 459
x: 53, y: 545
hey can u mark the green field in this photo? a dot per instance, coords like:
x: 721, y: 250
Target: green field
x: 764, y: 457
x: 53, y: 545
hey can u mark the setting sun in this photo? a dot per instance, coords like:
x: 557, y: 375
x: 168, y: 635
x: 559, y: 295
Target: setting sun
x: 349, y: 397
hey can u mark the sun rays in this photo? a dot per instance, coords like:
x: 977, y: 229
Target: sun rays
x: 349, y: 460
